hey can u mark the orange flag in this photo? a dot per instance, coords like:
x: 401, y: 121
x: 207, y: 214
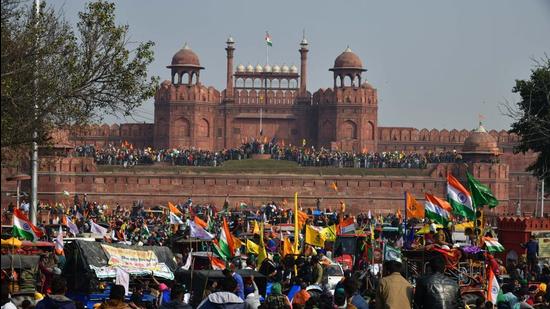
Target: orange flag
x: 302, y: 218
x: 200, y: 222
x: 414, y: 208
x: 399, y: 215
x: 334, y: 186
x: 174, y: 209
x: 287, y: 247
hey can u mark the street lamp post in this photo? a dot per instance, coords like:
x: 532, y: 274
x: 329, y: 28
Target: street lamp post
x: 518, y: 207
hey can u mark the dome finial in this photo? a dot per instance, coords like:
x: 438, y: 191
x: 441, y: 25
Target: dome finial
x: 186, y: 46
x: 304, y: 41
x: 348, y: 50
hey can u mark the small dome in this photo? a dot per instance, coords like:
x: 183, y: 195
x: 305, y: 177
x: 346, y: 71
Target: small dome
x: 267, y: 68
x: 240, y: 68
x: 293, y: 69
x: 259, y: 68
x: 348, y: 60
x: 479, y: 141
x: 276, y: 69
x: 249, y: 68
x: 230, y: 40
x: 284, y: 68
x: 186, y: 57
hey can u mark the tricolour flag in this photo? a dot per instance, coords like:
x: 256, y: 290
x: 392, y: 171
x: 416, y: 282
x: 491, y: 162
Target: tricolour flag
x: 217, y: 264
x: 481, y: 194
x: 59, y: 242
x: 174, y: 209
x: 227, y: 246
x: 197, y: 231
x: 313, y: 237
x: 460, y: 199
x: 347, y: 226
x: 23, y: 228
x: 414, y: 208
x: 493, y: 288
x: 493, y: 245
x: 97, y: 229
x: 437, y: 209
x: 174, y: 219
x: 268, y: 39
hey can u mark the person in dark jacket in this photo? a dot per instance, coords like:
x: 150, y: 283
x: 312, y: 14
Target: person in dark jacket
x: 226, y: 298
x: 57, y: 298
x: 176, y: 295
x: 437, y: 290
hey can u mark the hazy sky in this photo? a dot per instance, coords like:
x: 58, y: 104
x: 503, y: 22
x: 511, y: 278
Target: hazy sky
x: 436, y: 64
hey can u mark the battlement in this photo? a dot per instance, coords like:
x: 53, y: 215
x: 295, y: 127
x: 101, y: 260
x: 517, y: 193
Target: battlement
x: 364, y: 95
x: 169, y: 92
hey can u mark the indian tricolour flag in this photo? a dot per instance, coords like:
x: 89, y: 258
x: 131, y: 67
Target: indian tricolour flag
x: 493, y: 288
x: 493, y: 245
x: 268, y: 39
x: 460, y: 198
x: 23, y: 228
x: 227, y: 247
x: 437, y: 209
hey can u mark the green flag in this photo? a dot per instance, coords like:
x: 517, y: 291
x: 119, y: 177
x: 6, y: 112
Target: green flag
x: 481, y: 194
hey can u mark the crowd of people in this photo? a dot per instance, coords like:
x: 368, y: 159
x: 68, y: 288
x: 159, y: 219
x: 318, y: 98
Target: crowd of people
x: 128, y: 156
x: 295, y: 281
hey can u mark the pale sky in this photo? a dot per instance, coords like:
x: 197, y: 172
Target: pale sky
x: 435, y: 63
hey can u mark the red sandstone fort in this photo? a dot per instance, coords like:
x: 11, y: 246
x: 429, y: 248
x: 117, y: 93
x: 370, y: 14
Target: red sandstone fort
x: 275, y: 99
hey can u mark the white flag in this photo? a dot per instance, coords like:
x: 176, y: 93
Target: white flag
x: 59, y: 242
x: 198, y: 232
x: 188, y: 261
x: 97, y: 229
x: 123, y: 278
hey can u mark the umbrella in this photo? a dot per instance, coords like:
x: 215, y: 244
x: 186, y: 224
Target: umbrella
x: 12, y: 242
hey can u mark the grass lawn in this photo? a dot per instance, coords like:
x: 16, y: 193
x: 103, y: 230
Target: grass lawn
x: 264, y: 167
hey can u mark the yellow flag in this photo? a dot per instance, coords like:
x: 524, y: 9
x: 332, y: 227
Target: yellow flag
x: 313, y: 237
x: 252, y: 247
x: 256, y: 229
x: 262, y: 254
x: 329, y: 233
x: 287, y: 247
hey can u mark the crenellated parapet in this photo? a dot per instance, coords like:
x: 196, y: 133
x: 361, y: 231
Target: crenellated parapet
x: 170, y: 93
x: 364, y: 95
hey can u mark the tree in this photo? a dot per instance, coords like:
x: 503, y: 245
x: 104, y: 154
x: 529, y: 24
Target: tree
x: 532, y: 117
x: 55, y: 76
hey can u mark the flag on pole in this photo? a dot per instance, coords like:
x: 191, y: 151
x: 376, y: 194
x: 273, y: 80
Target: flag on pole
x: 262, y: 255
x: 314, y: 237
x: 252, y: 247
x: 227, y: 245
x: 437, y: 209
x: 69, y: 223
x: 481, y: 194
x: 414, y: 208
x: 493, y: 288
x: 198, y: 231
x: 302, y: 219
x: 268, y: 39
x: 217, y: 264
x: 296, y: 226
x: 23, y: 228
x: 329, y: 233
x: 59, y: 242
x: 256, y: 228
x: 97, y: 229
x: 200, y: 222
x: 189, y: 260
x: 174, y: 209
x: 493, y: 245
x: 347, y: 226
x: 459, y: 198
x: 334, y: 186
x: 174, y: 219
x: 287, y: 247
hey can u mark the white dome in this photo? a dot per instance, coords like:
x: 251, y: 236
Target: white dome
x: 240, y: 68
x: 293, y: 69
x: 259, y: 68
x: 249, y: 68
x: 284, y: 69
x: 276, y: 69
x: 267, y: 68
